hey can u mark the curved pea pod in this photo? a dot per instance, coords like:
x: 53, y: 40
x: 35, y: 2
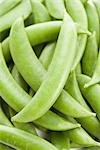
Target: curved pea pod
x: 55, y: 122
x: 92, y: 17
x: 96, y: 74
x: 56, y: 8
x: 97, y: 4
x: 18, y: 98
x: 6, y: 6
x: 23, y: 9
x: 90, y: 124
x: 67, y: 105
x: 74, y: 7
x: 90, y: 56
x: 18, y: 78
x: 37, y: 34
x: 29, y: 127
x: 81, y: 137
x: 39, y: 11
x: 58, y: 71
x: 47, y: 54
x: 3, y: 119
x: 5, y: 147
x: 92, y: 93
x: 60, y: 140
x: 19, y: 139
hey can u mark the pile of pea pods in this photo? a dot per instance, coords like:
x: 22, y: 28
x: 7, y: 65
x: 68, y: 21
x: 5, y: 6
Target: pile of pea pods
x: 49, y: 74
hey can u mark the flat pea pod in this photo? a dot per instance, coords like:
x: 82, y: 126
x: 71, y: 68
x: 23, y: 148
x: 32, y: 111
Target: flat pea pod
x: 97, y: 4
x: 60, y: 140
x: 23, y: 139
x: 80, y: 136
x: 18, y: 98
x: 91, y: 93
x: 23, y: 9
x: 59, y: 124
x: 77, y: 12
x: 90, y: 124
x: 92, y: 17
x: 56, y: 8
x: 96, y: 74
x: 47, y: 54
x: 78, y: 69
x: 39, y: 11
x: 57, y: 73
x: 3, y: 119
x: 6, y: 6
x: 16, y: 75
x: 67, y: 105
x: 90, y: 56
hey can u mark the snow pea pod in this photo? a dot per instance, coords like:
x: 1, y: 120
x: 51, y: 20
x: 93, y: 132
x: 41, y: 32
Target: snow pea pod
x: 6, y: 6
x: 19, y: 139
x: 56, y: 8
x: 77, y: 12
x: 97, y: 4
x: 57, y: 73
x: 18, y: 98
x: 83, y: 1
x: 5, y: 147
x: 23, y: 9
x: 78, y: 69
x: 60, y: 140
x: 90, y: 124
x: 39, y: 11
x: 90, y: 56
x: 92, y: 17
x: 92, y: 93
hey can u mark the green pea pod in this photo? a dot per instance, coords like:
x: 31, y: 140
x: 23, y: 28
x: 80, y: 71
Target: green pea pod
x: 18, y: 98
x: 91, y: 93
x: 5, y: 147
x: 67, y: 105
x: 47, y: 54
x: 56, y: 8
x: 81, y: 137
x: 73, y: 145
x: 90, y: 56
x: 74, y: 7
x: 97, y: 4
x: 39, y: 11
x: 3, y: 119
x: 23, y: 9
x: 19, y: 139
x: 60, y: 140
x: 16, y: 75
x: 58, y: 71
x: 6, y: 6
x: 91, y: 148
x: 92, y: 17
x: 96, y: 74
x: 58, y: 124
x: 23, y: 126
x: 90, y: 124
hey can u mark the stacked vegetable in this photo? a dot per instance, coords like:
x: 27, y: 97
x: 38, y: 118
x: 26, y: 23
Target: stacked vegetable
x: 49, y: 74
